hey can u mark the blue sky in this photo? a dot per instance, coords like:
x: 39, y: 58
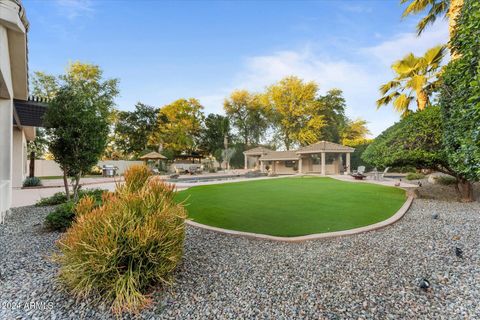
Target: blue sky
x: 162, y: 51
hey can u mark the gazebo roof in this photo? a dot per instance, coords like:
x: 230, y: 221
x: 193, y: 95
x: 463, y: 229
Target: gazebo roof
x: 153, y: 156
x: 324, y: 146
x: 280, y: 155
x: 257, y: 151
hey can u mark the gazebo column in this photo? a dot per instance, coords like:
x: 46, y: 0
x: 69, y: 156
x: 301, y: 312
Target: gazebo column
x: 348, y: 162
x: 300, y: 165
x: 246, y: 161
x: 323, y: 163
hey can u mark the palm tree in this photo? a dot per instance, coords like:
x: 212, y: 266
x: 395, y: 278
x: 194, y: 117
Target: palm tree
x: 436, y: 8
x: 417, y: 78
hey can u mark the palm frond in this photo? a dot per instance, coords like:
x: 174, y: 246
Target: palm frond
x: 416, y: 6
x: 389, y: 86
x: 434, y: 56
x: 383, y: 101
x: 402, y: 102
x: 417, y: 82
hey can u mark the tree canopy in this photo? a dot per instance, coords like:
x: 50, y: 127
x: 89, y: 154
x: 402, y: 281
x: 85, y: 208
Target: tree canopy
x: 133, y: 129
x: 179, y: 125
x: 77, y: 120
x: 247, y: 115
x: 460, y: 95
x: 416, y: 79
x: 296, y: 111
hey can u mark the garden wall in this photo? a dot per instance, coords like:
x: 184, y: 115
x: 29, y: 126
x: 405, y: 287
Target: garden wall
x: 46, y: 168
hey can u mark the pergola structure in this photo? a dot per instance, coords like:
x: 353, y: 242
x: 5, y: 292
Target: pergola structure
x: 322, y: 157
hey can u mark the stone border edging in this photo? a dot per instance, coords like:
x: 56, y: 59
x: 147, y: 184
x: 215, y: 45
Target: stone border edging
x: 382, y: 224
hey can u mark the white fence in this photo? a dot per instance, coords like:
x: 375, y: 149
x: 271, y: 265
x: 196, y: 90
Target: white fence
x: 5, y: 199
x: 48, y: 168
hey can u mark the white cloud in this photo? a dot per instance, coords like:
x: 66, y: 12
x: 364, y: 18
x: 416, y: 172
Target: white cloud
x: 75, y: 8
x: 359, y: 78
x: 403, y: 43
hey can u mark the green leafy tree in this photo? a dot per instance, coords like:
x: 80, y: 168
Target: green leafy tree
x: 460, y: 99
x: 179, y: 125
x: 417, y: 140
x: 333, y: 109
x: 295, y: 111
x: 247, y: 115
x: 416, y: 79
x: 216, y: 128
x: 354, y: 132
x: 134, y: 128
x: 77, y: 121
x: 44, y: 86
x: 36, y: 148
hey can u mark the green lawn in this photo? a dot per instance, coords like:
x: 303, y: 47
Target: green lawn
x: 291, y: 206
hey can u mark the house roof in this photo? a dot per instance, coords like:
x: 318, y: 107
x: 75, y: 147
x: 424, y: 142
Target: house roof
x: 29, y: 113
x: 257, y: 151
x: 280, y: 155
x: 324, y: 146
x: 153, y: 156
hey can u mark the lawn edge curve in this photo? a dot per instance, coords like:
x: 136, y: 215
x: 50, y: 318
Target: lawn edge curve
x: 379, y: 225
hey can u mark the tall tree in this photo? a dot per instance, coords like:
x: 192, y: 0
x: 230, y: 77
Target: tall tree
x: 460, y: 99
x: 134, y: 128
x: 416, y: 79
x: 436, y: 8
x: 216, y: 128
x: 43, y: 85
x: 77, y: 121
x: 354, y: 132
x: 295, y: 111
x: 417, y: 140
x: 179, y: 125
x: 333, y: 107
x: 247, y: 115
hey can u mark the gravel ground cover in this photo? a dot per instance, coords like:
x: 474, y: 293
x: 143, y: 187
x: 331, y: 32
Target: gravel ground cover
x: 367, y: 276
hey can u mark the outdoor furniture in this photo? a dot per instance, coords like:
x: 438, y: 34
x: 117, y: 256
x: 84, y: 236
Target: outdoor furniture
x: 382, y: 175
x: 361, y: 169
x: 358, y: 176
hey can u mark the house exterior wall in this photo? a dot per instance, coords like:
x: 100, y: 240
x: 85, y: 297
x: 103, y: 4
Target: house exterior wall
x: 279, y: 167
x: 19, y: 157
x: 6, y: 115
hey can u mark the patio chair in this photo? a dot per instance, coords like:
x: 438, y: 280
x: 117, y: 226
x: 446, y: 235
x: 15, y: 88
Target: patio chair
x: 382, y: 175
x: 361, y: 169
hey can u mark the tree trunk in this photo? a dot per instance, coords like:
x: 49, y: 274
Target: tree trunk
x: 65, y: 183
x: 76, y: 187
x: 422, y: 99
x: 31, y: 173
x: 453, y: 14
x: 465, y: 188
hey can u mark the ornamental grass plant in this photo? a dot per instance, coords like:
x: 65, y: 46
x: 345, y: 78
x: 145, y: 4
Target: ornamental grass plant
x: 121, y: 249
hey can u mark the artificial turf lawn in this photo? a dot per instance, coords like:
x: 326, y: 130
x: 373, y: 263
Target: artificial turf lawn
x: 291, y: 206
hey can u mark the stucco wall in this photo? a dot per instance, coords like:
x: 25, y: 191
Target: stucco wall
x: 19, y: 156
x: 279, y: 168
x: 46, y: 168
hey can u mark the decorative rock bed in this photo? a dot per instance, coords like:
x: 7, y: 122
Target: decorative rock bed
x: 370, y: 275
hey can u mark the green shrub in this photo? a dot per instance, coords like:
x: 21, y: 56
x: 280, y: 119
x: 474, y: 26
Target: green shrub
x: 62, y: 217
x: 415, y: 176
x: 122, y: 248
x: 32, y: 182
x: 56, y: 199
x: 60, y: 197
x: 446, y: 180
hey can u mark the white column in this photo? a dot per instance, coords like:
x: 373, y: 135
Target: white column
x: 6, y: 151
x: 262, y: 166
x: 300, y: 165
x: 246, y: 161
x: 348, y: 162
x: 323, y: 164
